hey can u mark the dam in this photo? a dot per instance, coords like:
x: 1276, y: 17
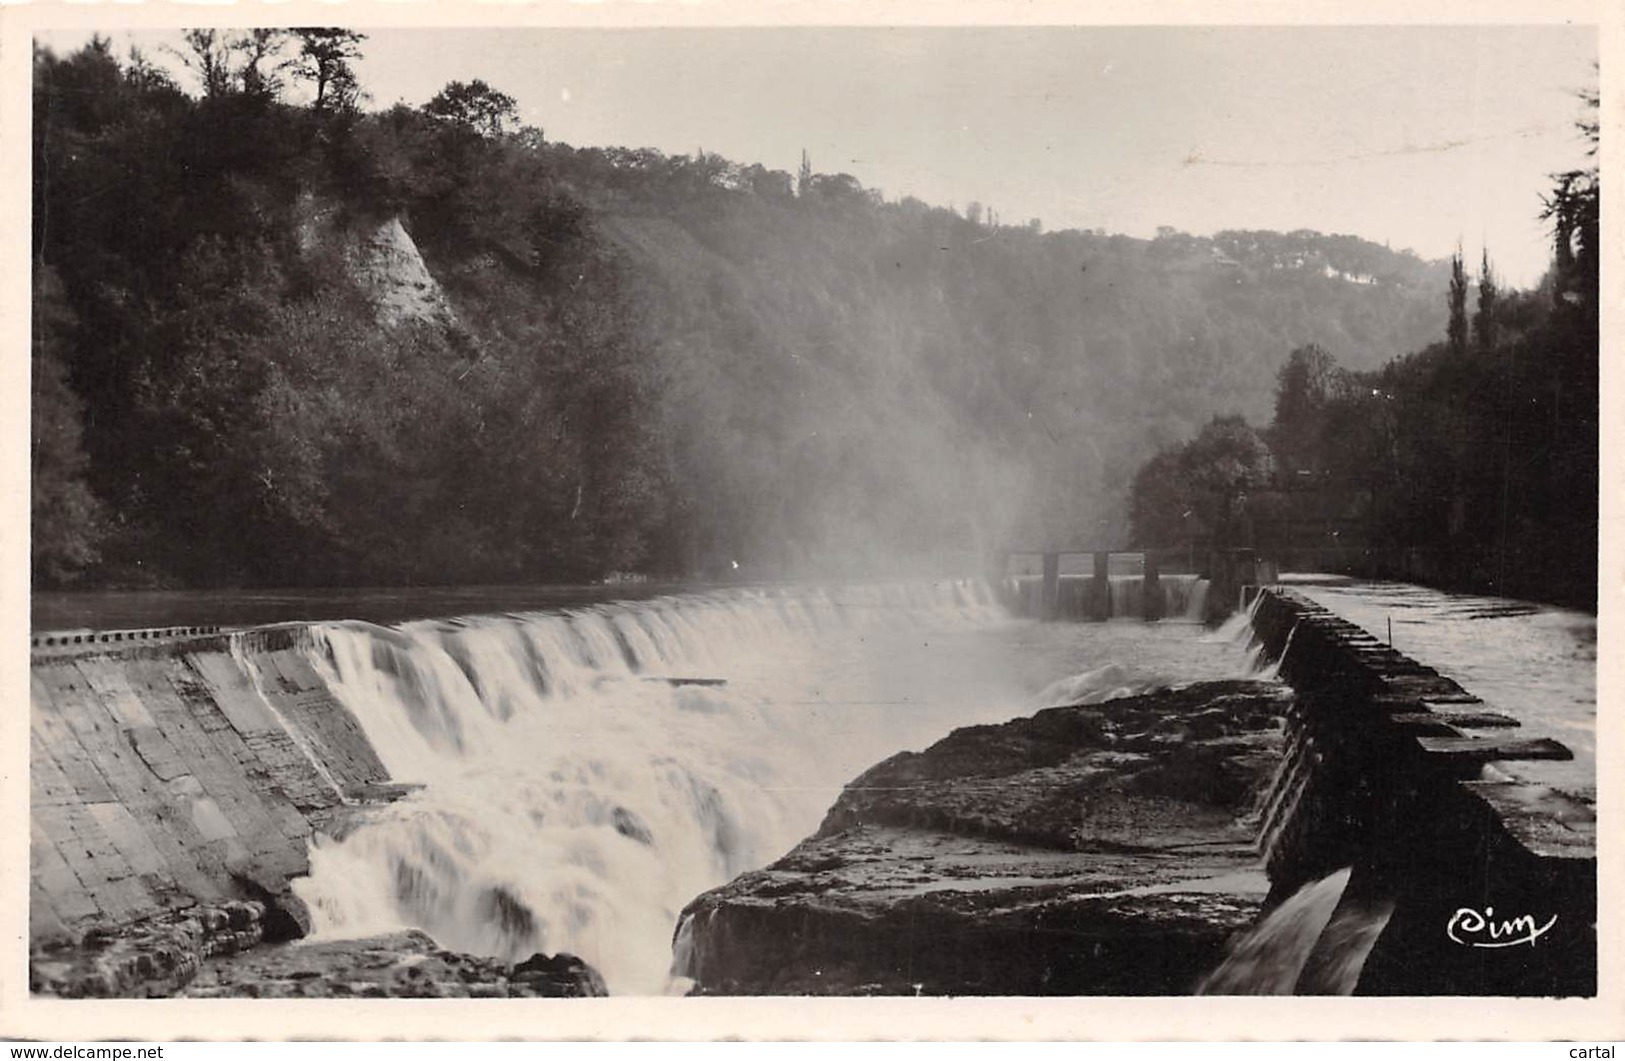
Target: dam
x: 519, y: 783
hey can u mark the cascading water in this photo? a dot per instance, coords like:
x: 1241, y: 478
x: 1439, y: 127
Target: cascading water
x: 1184, y: 597
x: 587, y: 773
x: 1271, y: 670
x: 1238, y: 631
x: 1314, y: 943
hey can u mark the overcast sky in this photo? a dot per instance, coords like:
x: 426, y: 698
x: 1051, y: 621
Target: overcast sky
x: 1414, y: 136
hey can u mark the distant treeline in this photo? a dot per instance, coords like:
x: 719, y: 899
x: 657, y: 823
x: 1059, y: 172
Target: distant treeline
x: 1472, y: 463
x: 646, y: 363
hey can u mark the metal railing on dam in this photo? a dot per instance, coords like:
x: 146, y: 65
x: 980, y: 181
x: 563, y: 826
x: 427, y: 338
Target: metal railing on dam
x: 71, y: 639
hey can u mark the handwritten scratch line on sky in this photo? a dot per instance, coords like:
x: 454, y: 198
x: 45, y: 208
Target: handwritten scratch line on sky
x: 1196, y: 158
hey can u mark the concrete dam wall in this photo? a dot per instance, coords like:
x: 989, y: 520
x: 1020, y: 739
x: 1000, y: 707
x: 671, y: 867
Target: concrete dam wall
x: 1401, y: 775
x: 175, y: 787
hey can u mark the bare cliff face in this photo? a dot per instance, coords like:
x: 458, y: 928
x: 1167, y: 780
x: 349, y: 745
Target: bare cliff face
x: 1102, y: 849
x: 388, y: 267
x: 381, y: 258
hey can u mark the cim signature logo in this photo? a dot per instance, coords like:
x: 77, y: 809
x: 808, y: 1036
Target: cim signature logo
x: 1470, y: 928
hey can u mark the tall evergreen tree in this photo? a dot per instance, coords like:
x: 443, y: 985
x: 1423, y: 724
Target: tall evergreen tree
x: 1573, y: 208
x: 1484, y: 316
x: 1457, y: 328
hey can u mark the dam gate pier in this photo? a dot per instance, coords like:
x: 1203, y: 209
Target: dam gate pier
x: 1098, y: 584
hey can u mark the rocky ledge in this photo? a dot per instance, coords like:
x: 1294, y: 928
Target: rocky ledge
x: 400, y: 965
x: 224, y: 951
x: 1102, y: 849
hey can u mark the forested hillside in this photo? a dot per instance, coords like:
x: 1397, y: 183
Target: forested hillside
x: 281, y: 342
x: 1471, y: 463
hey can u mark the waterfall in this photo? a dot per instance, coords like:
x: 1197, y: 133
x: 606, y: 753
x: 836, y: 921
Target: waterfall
x: 1271, y: 671
x: 244, y: 658
x: 1238, y: 631
x: 1314, y: 943
x: 1184, y: 597
x: 588, y: 772
x: 585, y: 773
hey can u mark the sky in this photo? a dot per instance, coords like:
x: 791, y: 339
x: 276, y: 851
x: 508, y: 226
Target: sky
x: 1418, y: 137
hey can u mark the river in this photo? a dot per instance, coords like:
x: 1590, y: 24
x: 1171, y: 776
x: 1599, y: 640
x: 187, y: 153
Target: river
x: 590, y: 771
x: 592, y: 762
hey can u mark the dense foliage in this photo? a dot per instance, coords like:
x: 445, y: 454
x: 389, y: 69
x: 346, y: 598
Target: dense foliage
x: 1472, y: 463
x: 247, y: 416
x: 622, y: 361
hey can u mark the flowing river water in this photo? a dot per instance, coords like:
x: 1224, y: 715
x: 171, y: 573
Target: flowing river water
x: 588, y: 772
x: 592, y: 765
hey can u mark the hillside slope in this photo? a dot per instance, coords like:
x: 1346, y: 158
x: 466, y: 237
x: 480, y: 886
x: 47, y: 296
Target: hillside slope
x: 891, y: 378
x: 318, y: 346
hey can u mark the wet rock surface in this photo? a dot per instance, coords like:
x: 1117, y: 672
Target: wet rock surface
x: 147, y: 959
x: 399, y: 965
x: 230, y: 951
x: 1103, y: 849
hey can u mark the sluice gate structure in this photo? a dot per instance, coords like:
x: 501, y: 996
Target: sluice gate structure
x: 1150, y: 584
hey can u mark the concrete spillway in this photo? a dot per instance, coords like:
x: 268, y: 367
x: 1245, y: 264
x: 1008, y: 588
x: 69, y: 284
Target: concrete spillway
x: 178, y: 783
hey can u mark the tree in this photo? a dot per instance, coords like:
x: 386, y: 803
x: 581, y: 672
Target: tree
x: 144, y: 76
x: 208, y: 55
x: 804, y: 174
x: 474, y: 105
x: 1573, y: 208
x: 66, y: 519
x: 1160, y: 512
x: 1303, y: 388
x: 530, y: 138
x: 1199, y: 490
x: 1457, y: 328
x: 838, y: 187
x: 263, y: 61
x: 1484, y: 317
x: 326, y: 57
